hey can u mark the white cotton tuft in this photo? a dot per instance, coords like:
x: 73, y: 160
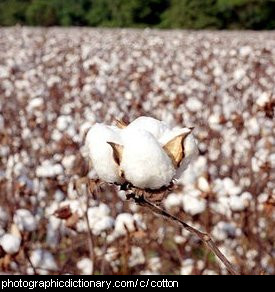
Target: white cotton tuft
x: 24, y: 220
x: 193, y: 205
x: 144, y: 163
x: 239, y: 203
x: 101, y: 153
x: 173, y: 200
x: 100, y: 219
x: 10, y: 243
x: 127, y: 222
x: 155, y: 127
x: 86, y: 266
x: 43, y: 261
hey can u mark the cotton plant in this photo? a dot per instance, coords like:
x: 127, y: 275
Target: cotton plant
x: 144, y: 158
x: 147, y: 153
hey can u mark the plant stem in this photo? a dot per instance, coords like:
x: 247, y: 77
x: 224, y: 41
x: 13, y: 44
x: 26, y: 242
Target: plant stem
x: 140, y: 200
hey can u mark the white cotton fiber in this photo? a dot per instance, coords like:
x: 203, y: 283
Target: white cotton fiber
x: 137, y: 154
x: 101, y: 152
x: 43, y: 260
x: 24, y: 220
x: 10, y: 243
x: 155, y: 127
x: 144, y: 163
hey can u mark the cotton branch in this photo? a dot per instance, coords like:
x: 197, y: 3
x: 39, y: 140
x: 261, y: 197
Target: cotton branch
x: 142, y: 201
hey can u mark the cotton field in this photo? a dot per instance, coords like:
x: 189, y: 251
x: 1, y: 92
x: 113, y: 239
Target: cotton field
x: 56, y: 217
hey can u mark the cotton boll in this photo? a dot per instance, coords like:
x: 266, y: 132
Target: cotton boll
x: 53, y: 231
x: 193, y: 205
x: 173, y: 200
x: 101, y: 152
x: 35, y: 103
x: 10, y: 243
x: 223, y: 230
x: 239, y: 203
x: 253, y: 127
x: 203, y: 184
x: 187, y: 267
x: 124, y: 222
x: 262, y: 99
x: 48, y: 169
x: 136, y: 256
x: 194, y: 105
x: 144, y: 162
x: 155, y: 127
x: 99, y: 219
x: 86, y: 266
x: 63, y: 122
x: 127, y: 222
x: 24, y: 220
x: 43, y: 261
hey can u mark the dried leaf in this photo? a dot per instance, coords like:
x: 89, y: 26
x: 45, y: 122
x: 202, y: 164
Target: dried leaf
x: 72, y: 220
x: 63, y: 213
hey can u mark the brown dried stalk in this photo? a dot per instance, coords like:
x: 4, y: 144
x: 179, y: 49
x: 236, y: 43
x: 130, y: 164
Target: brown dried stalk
x: 142, y: 201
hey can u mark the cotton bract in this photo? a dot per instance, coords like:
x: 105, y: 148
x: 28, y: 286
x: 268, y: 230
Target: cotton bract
x: 146, y: 153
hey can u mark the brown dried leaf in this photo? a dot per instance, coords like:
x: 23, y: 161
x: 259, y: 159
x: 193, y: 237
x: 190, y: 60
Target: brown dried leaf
x: 63, y: 213
x: 72, y: 220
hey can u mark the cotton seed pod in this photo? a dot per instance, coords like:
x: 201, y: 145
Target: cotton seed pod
x: 147, y: 152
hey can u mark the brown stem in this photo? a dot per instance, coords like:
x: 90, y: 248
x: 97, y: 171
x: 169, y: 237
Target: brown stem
x: 140, y: 200
x: 90, y: 240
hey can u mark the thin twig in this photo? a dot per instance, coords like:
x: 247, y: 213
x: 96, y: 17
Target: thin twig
x: 140, y: 200
x: 79, y: 188
x: 30, y: 262
x: 90, y: 241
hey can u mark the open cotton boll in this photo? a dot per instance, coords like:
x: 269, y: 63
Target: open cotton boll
x: 101, y: 152
x: 155, y: 127
x: 24, y: 220
x: 127, y: 222
x: 144, y: 162
x: 86, y: 266
x: 193, y: 205
x: 10, y: 243
x: 100, y: 219
x: 43, y: 261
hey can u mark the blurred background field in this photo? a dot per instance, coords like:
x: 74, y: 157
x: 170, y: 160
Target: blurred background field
x: 57, y: 82
x: 194, y: 14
